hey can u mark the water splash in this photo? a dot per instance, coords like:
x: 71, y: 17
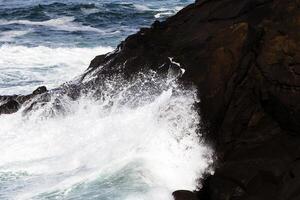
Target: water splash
x: 136, y: 140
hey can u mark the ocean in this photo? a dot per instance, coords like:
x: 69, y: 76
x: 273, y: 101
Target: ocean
x: 104, y: 149
x: 48, y: 42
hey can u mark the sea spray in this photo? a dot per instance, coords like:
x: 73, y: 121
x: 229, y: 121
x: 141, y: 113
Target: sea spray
x: 135, y: 139
x: 22, y: 68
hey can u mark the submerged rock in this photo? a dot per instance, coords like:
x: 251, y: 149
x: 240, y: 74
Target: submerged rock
x: 243, y: 56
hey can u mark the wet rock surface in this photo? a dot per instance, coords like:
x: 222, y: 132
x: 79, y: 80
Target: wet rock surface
x: 244, y: 58
x: 185, y: 195
x: 9, y: 107
x: 11, y: 104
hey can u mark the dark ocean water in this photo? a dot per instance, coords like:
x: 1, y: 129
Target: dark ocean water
x: 57, y: 39
x: 98, y: 150
x: 79, y: 23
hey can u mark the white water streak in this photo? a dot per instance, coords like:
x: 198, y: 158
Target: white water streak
x: 63, y: 23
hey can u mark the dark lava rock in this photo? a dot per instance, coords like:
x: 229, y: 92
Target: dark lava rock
x: 184, y: 195
x: 9, y: 107
x: 40, y: 90
x: 244, y: 58
x: 11, y: 104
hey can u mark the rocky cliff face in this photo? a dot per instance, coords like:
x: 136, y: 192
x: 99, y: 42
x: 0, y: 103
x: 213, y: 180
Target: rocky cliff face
x: 244, y: 58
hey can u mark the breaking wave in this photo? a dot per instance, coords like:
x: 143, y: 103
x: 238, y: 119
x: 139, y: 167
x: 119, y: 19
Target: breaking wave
x: 62, y: 23
x: 24, y: 68
x: 137, y: 140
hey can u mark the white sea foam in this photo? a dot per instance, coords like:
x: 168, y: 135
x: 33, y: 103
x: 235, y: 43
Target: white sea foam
x: 24, y: 68
x: 131, y: 144
x: 140, y: 7
x: 63, y: 23
x: 7, y: 36
x: 89, y: 11
x: 160, y: 12
x: 164, y: 12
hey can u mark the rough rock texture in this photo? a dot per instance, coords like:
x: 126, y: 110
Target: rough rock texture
x: 11, y: 104
x: 244, y: 58
x: 185, y: 195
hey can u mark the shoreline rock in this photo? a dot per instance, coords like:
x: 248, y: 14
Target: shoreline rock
x: 12, y: 103
x: 243, y: 56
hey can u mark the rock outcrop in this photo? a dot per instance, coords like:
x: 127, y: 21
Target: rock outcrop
x: 244, y: 58
x: 11, y: 104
